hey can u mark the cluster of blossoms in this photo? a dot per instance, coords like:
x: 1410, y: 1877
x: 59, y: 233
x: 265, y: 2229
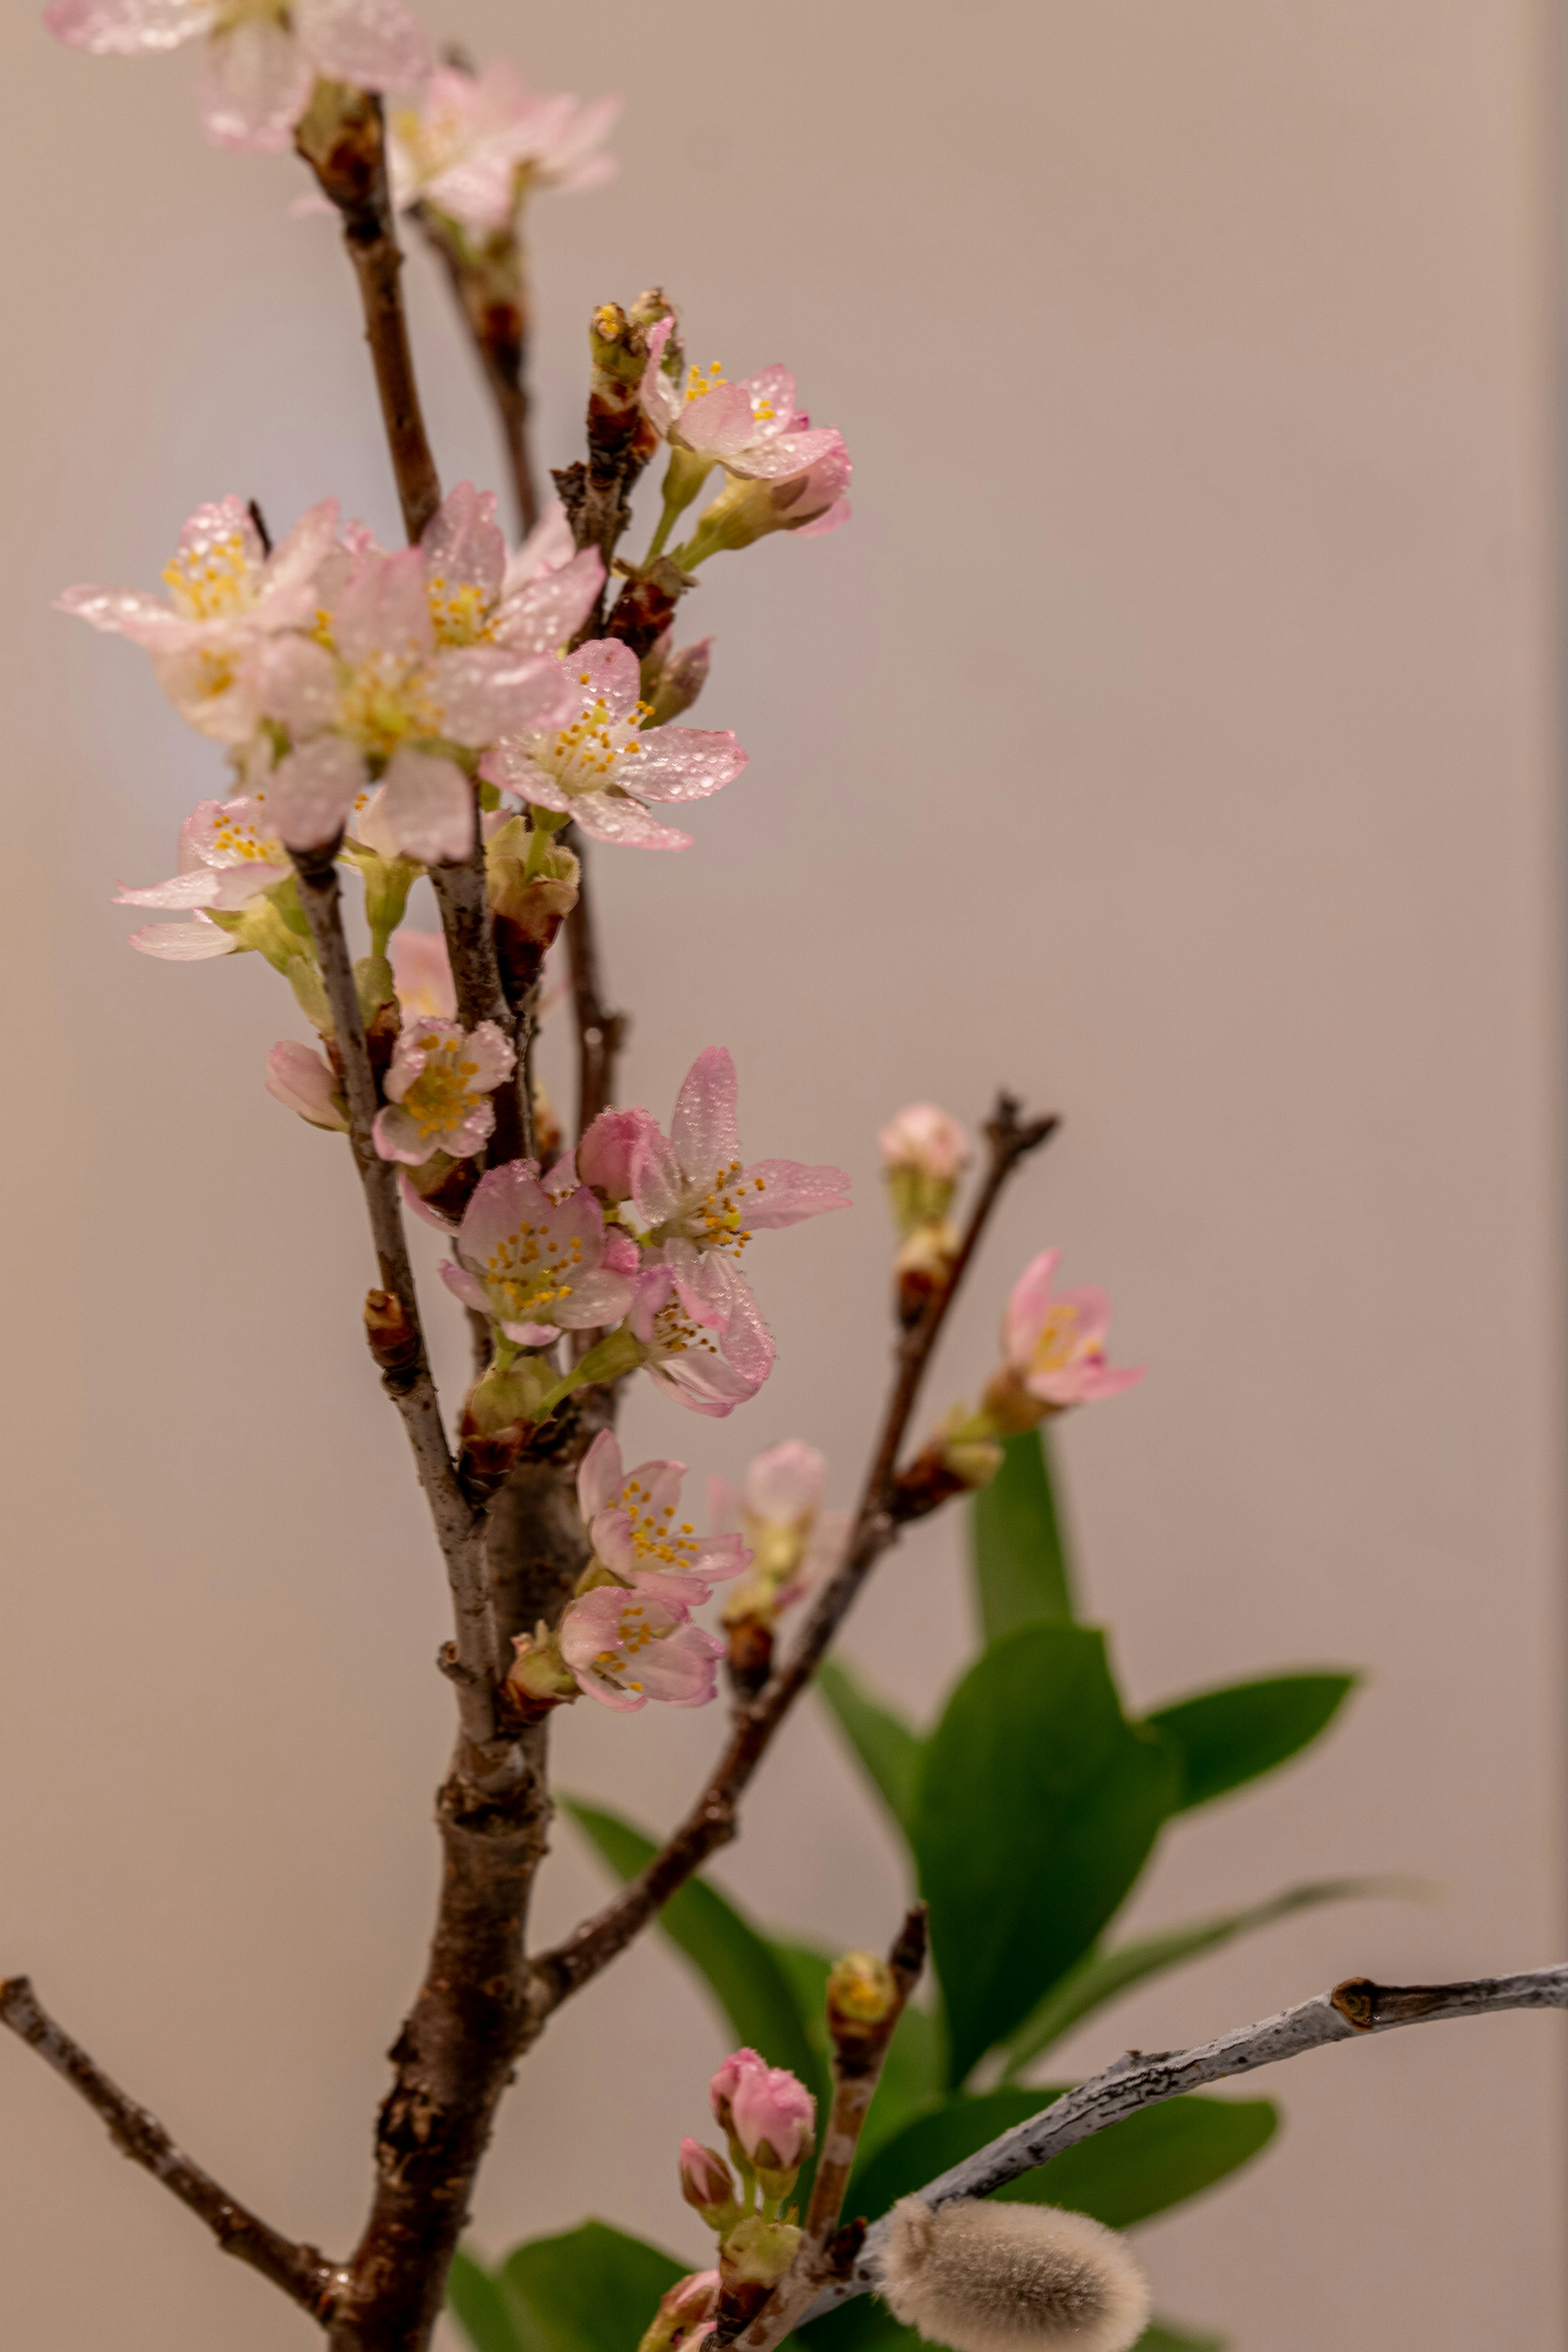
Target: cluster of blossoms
x: 793, y: 1541
x: 471, y: 144
x: 769, y: 2118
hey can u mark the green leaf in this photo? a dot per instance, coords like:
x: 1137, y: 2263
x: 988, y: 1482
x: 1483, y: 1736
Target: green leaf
x: 738, y: 1965
x: 1105, y: 1976
x: 881, y: 1741
x: 1232, y: 1735
x: 478, y: 2304
x: 1021, y: 1570
x: 911, y: 2071
x: 1150, y: 2160
x: 1039, y: 1805
x: 1160, y: 2336
x: 592, y: 2289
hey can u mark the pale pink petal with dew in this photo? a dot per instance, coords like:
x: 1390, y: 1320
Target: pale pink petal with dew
x: 704, y: 1384
x: 493, y: 1056
x: 192, y: 942
x: 128, y: 613
x: 214, y: 699
x: 545, y: 612
x: 600, y: 1476
x: 463, y: 545
x: 123, y: 27
x: 604, y: 670
x: 410, y: 1053
x: 384, y: 609
x: 397, y: 1136
x: 507, y: 1198
x: 625, y: 825
x: 595, y: 1299
x: 719, y: 424
x: 777, y: 1192
x: 782, y: 459
x: 238, y: 884
x: 549, y: 545
x: 682, y: 1670
x: 684, y: 763
x: 485, y: 692
x: 561, y: 1178
x: 1027, y: 1307
x: 660, y: 1483
x: 313, y: 792
x: 510, y: 769
x: 213, y: 527
x: 701, y: 1284
x: 286, y: 596
x: 747, y: 1342
x: 197, y: 888
x: 458, y: 1279
x: 704, y: 1131
x: 605, y: 1155
x: 374, y: 44
x: 833, y: 519
x: 622, y: 1255
x: 650, y: 1292
x: 786, y: 1483
x: 479, y: 189
x: 421, y: 1208
x: 295, y: 681
x: 658, y: 1186
x: 423, y: 808
x: 422, y: 975
x: 773, y: 388
x: 660, y: 393
x: 302, y: 1081
x: 253, y: 85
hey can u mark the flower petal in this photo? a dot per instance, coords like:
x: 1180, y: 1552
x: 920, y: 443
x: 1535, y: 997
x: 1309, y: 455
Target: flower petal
x: 253, y: 85
x: 623, y: 823
x: 485, y: 692
x: 313, y: 791
x: 302, y: 1079
x: 463, y: 545
x: 123, y: 27
x: 777, y: 1192
x: 192, y: 942
x: 545, y: 612
x: 423, y: 808
x: 703, y: 1130
x: 374, y: 44
x: 600, y: 1476
x: 685, y: 763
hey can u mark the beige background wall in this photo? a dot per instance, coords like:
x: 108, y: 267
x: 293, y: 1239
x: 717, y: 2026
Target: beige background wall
x: 1172, y: 737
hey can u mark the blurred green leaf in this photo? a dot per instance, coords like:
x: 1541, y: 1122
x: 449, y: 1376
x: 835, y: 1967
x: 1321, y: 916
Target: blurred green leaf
x: 1039, y: 1805
x: 1160, y: 2336
x: 1151, y: 2159
x: 1232, y: 1735
x: 739, y: 1964
x: 592, y: 2289
x: 480, y: 2308
x: 1104, y: 1976
x: 857, y: 2326
x: 883, y: 1742
x: 1021, y: 1570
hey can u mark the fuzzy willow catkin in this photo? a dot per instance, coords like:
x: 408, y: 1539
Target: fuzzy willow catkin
x: 1012, y: 2278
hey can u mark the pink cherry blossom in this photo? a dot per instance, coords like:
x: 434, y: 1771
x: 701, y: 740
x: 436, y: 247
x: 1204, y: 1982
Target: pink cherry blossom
x: 422, y: 974
x: 262, y: 56
x: 772, y: 2117
x: 603, y: 764
x: 1055, y: 1342
x: 701, y: 1207
x: 228, y: 855
x: 438, y: 1088
x: 302, y: 1080
x: 707, y: 1370
x: 477, y: 143
x: 811, y: 504
x: 633, y: 1520
x: 625, y: 1648
x: 529, y: 1261
x: 751, y: 428
x: 778, y: 1510
x: 225, y: 596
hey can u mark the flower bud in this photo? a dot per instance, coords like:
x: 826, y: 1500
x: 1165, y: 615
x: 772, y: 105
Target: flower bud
x: 860, y: 1992
x: 1013, y: 2278
x: 532, y: 889
x: 707, y: 2184
x: 302, y: 1080
x: 772, y: 2117
x: 757, y: 2253
x: 924, y: 1153
x: 498, y: 1420
x: 540, y: 1678
x: 671, y: 682
x: 394, y: 1343
x: 604, y: 1154
x: 746, y: 510
x: 684, y: 2311
x: 923, y: 1265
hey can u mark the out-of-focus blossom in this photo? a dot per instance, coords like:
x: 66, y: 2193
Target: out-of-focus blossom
x: 627, y: 1647
x: 534, y: 1266
x: 924, y: 1151
x: 700, y: 1207
x: 302, y: 1080
x: 634, y: 1523
x: 811, y: 504
x: 602, y: 764
x: 752, y: 428
x: 262, y: 56
x: 422, y: 971
x: 687, y: 2310
x: 792, y: 1540
x: 228, y: 857
x: 225, y: 594
x: 438, y: 1088
x: 1054, y: 1345
x: 476, y: 144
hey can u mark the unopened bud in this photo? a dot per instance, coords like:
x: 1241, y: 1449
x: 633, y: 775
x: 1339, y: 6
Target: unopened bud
x: 924, y: 1153
x: 860, y: 1991
x: 498, y: 1420
x: 539, y: 1679
x: 532, y: 889
x: 671, y: 682
x: 922, y: 1268
x: 751, y: 1656
x: 394, y: 1341
x: 707, y: 2184
x: 683, y: 2310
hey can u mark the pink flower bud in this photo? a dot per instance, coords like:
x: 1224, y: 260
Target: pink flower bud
x: 686, y: 2312
x: 773, y: 2118
x: 708, y: 2183
x: 727, y: 2081
x: 926, y: 1140
x: 604, y: 1154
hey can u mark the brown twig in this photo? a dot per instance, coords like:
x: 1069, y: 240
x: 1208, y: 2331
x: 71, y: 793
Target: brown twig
x: 343, y: 137
x: 463, y: 898
x: 712, y: 1822
x: 458, y: 1529
x: 601, y: 1034
x: 303, y: 2273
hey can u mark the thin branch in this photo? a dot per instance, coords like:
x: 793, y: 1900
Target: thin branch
x: 712, y: 1822
x: 405, y: 1372
x: 1349, y: 2013
x: 860, y: 2053
x: 601, y: 1034
x: 489, y: 283
x: 462, y: 895
x: 303, y: 2273
x: 343, y: 137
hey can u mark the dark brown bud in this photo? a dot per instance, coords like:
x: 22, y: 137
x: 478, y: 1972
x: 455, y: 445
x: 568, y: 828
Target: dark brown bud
x: 751, y: 1659
x: 394, y: 1341
x: 446, y: 1185
x: 486, y: 1459
x: 641, y: 612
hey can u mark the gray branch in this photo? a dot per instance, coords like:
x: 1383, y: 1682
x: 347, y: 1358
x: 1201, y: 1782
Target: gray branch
x: 1142, y: 2079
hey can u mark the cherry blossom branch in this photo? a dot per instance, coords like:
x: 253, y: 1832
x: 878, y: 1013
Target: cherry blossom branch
x: 1352, y: 2010
x: 492, y: 301
x: 304, y: 2274
x: 601, y: 1034
x: 392, y: 1316
x: 713, y: 1819
x: 343, y: 138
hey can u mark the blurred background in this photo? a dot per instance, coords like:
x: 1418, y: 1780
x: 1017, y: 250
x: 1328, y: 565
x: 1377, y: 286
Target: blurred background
x: 1171, y: 736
